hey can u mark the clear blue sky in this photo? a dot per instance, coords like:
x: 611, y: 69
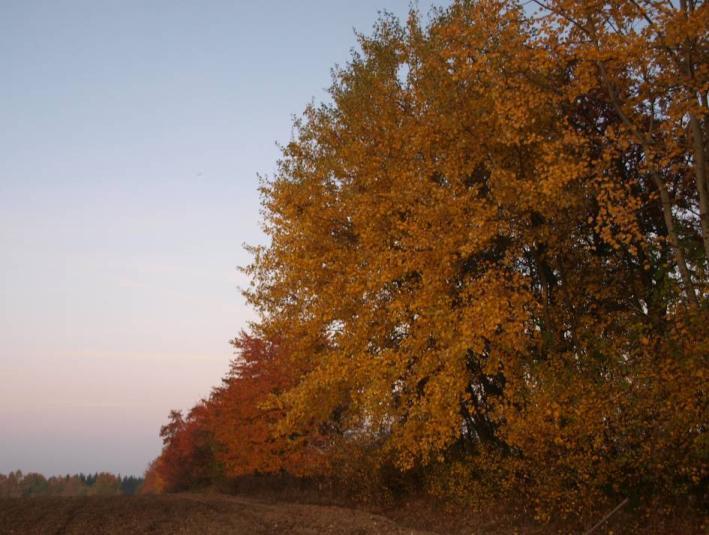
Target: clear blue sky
x: 131, y: 134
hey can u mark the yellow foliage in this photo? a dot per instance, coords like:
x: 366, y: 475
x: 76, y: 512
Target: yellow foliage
x: 486, y: 252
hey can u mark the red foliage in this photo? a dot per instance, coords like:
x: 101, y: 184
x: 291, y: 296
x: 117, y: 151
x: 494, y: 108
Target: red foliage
x: 187, y: 459
x: 244, y: 419
x: 232, y: 433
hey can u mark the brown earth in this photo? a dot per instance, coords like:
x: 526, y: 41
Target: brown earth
x: 219, y: 513
x: 183, y: 513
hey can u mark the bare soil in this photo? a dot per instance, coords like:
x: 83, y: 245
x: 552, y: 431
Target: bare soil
x: 211, y: 513
x: 184, y: 513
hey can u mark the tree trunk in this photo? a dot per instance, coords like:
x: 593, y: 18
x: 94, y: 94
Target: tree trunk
x: 700, y: 172
x: 677, y: 251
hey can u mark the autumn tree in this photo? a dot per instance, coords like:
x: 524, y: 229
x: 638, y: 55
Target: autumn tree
x: 648, y: 61
x: 486, y: 251
x: 105, y: 485
x: 243, y: 415
x: 188, y: 456
x: 487, y: 267
x: 232, y: 433
x: 10, y: 484
x: 153, y: 479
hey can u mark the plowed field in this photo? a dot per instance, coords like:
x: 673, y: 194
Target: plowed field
x: 183, y: 513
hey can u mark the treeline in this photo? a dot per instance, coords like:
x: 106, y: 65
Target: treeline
x: 487, y: 271
x: 16, y: 484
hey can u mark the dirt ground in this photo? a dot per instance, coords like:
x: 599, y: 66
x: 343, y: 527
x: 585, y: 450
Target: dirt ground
x: 183, y: 513
x: 220, y: 513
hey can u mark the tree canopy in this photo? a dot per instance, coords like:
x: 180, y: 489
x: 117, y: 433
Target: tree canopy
x: 488, y: 258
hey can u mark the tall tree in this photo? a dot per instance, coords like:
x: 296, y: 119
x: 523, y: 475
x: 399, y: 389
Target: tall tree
x: 482, y: 248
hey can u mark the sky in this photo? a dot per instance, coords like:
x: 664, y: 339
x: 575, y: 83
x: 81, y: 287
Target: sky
x: 131, y: 136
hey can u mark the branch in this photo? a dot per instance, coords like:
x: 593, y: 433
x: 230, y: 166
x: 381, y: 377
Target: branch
x: 602, y: 520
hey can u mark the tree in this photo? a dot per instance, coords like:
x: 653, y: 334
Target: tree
x: 487, y: 267
x: 649, y: 61
x: 105, y: 485
x: 474, y: 261
x: 243, y: 422
x: 188, y: 456
x: 33, y: 484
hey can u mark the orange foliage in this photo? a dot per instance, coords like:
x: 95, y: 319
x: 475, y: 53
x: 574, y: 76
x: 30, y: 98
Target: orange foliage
x: 487, y: 266
x: 242, y: 421
x: 231, y: 434
x: 188, y: 456
x: 481, y: 249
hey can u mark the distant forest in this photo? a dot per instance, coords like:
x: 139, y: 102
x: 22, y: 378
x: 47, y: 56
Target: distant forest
x: 17, y: 484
